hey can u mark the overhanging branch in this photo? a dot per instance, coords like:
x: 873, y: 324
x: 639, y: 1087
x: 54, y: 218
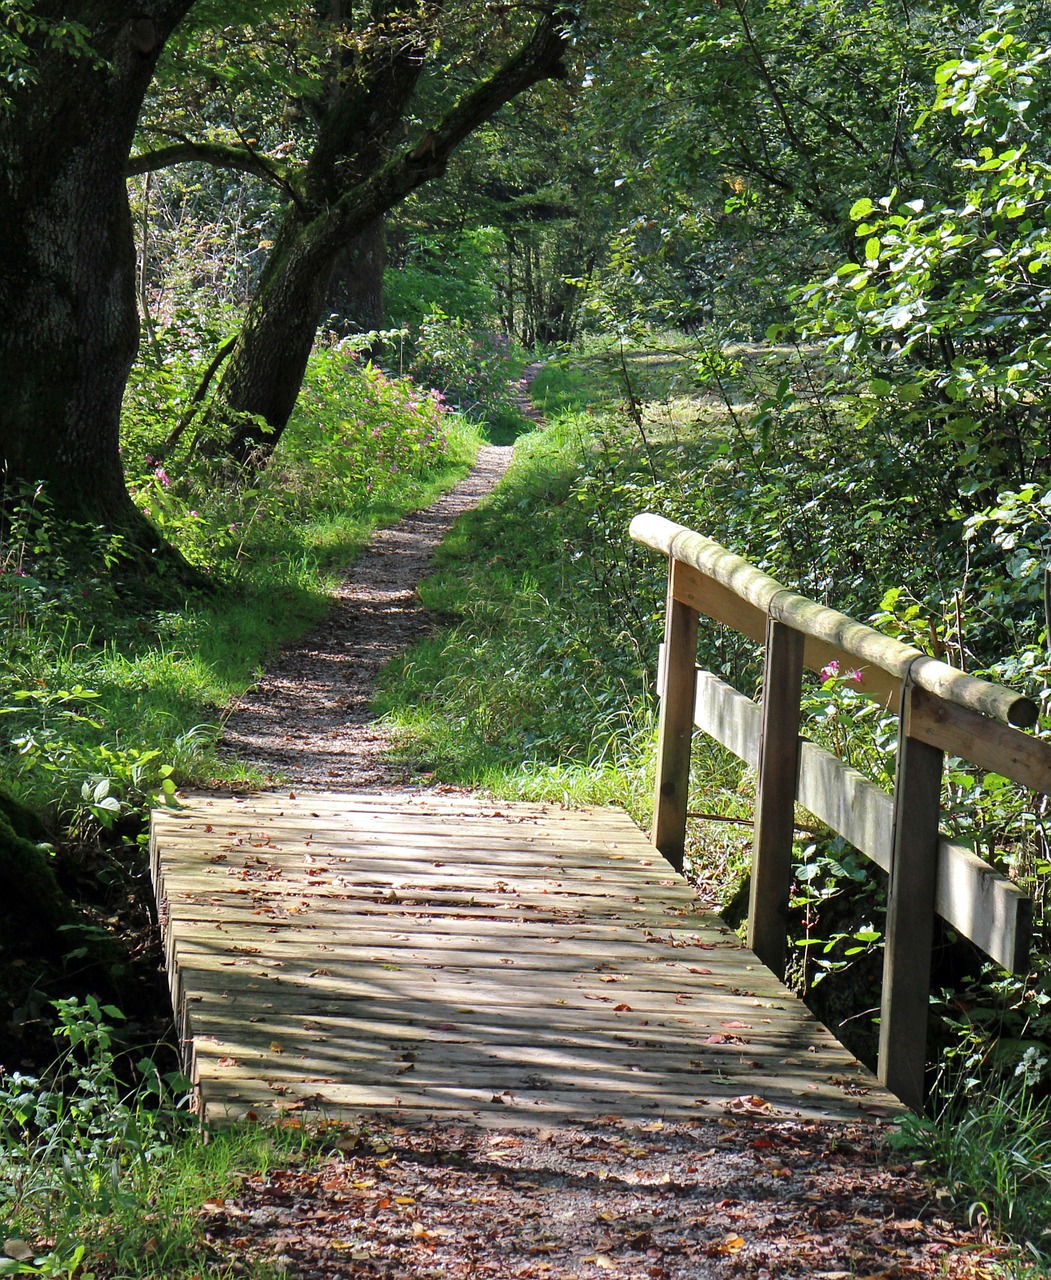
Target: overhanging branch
x: 216, y: 154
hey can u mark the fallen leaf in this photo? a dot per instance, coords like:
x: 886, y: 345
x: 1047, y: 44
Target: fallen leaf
x: 732, y: 1244
x: 622, y: 1008
x: 19, y: 1250
x: 276, y: 1046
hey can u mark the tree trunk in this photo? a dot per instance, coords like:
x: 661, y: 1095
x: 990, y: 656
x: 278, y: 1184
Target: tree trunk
x: 68, y: 323
x: 352, y: 181
x: 355, y: 294
x: 264, y: 372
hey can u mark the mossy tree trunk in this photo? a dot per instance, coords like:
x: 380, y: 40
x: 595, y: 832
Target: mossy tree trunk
x: 68, y: 322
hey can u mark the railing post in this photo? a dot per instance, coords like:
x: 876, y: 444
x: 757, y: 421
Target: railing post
x: 675, y: 727
x: 776, y: 796
x: 910, y: 913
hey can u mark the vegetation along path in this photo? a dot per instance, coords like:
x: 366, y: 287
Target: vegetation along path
x: 739, y: 1162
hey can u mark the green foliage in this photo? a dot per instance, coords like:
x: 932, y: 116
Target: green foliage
x: 76, y: 1145
x: 943, y: 312
x: 471, y: 370
x: 991, y: 1153
x: 444, y: 275
x: 99, y: 1173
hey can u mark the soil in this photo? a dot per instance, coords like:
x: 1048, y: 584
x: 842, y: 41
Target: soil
x: 743, y: 1196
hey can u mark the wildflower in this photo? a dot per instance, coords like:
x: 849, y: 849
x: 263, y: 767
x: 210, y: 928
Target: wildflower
x: 196, y: 515
x: 854, y: 676
x: 162, y: 476
x: 831, y: 671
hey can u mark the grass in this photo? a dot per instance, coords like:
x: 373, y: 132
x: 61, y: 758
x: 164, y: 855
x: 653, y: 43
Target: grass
x: 990, y: 1152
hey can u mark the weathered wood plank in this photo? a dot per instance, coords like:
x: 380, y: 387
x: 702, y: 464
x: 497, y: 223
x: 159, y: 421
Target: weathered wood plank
x: 958, y: 731
x: 775, y: 797
x: 863, y: 643
x: 910, y: 918
x: 233, y: 1100
x: 675, y: 727
x: 616, y: 998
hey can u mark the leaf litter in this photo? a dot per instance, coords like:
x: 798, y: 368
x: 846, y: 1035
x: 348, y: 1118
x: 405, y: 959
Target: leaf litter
x: 730, y: 1198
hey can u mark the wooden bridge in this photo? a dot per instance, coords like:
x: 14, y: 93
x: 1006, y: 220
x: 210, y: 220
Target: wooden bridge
x: 428, y: 956
x: 440, y: 956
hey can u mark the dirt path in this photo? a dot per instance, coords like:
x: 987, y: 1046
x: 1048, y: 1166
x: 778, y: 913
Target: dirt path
x: 744, y: 1196
x: 307, y: 721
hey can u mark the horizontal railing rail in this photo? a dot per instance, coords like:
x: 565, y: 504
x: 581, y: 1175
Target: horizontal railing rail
x: 941, y: 710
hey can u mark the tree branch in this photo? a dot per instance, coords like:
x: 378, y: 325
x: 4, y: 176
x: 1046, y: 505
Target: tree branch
x: 216, y: 154
x: 540, y: 58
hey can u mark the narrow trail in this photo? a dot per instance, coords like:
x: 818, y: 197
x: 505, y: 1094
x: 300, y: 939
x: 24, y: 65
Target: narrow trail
x: 307, y: 720
x: 746, y: 1197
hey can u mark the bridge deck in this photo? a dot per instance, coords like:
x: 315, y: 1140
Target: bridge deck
x: 440, y: 956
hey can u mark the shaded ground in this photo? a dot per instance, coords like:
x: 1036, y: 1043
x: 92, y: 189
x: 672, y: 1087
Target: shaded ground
x: 731, y: 1199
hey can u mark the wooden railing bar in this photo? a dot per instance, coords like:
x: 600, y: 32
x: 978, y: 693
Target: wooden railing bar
x: 719, y: 603
x: 675, y: 730
x: 864, y: 644
x: 996, y: 747
x: 772, y: 844
x: 978, y: 901
x: 909, y: 935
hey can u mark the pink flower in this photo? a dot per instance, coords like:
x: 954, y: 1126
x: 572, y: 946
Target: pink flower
x: 162, y: 476
x: 831, y: 671
x: 855, y: 676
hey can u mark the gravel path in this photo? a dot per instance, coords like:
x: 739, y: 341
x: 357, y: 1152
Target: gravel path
x: 307, y: 721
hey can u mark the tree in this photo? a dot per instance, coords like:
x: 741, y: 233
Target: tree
x: 358, y: 168
x: 68, y: 324
x: 753, y: 128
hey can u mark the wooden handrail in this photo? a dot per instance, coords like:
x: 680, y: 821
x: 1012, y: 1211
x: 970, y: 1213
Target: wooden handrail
x: 853, y: 639
x: 941, y: 710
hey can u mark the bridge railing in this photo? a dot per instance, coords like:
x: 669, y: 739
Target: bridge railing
x: 941, y: 711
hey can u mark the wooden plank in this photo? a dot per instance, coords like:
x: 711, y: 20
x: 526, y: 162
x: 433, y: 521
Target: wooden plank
x: 775, y: 798
x: 216, y: 1007
x: 616, y: 997
x: 226, y: 1100
x: 974, y: 898
x: 675, y: 727
x: 958, y: 731
x: 217, y: 1011
x: 863, y: 643
x: 910, y: 918
x: 623, y: 954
